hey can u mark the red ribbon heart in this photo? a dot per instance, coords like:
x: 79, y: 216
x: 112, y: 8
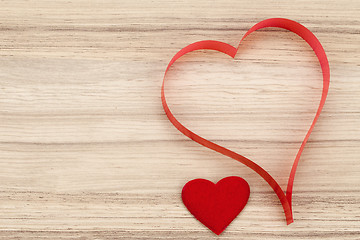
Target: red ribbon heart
x: 314, y: 43
x: 216, y: 205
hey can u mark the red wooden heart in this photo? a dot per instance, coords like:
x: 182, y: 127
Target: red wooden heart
x: 216, y: 205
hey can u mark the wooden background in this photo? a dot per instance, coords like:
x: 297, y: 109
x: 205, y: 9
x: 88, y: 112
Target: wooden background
x: 86, y: 151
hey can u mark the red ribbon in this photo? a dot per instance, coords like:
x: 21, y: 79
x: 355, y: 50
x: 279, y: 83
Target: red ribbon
x: 310, y: 38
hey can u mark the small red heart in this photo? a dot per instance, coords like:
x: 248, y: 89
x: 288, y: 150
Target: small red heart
x: 216, y: 205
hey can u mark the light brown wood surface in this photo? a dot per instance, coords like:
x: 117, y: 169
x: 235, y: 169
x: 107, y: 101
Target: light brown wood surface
x: 86, y: 151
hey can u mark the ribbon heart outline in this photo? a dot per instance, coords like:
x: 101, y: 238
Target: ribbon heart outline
x: 309, y: 37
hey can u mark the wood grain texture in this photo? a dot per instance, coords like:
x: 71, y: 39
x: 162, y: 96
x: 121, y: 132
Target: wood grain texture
x: 86, y: 151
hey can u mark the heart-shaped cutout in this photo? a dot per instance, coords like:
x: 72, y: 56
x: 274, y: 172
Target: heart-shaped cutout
x: 216, y: 205
x: 309, y: 37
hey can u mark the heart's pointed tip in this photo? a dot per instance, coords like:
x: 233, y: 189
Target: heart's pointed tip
x: 217, y: 232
